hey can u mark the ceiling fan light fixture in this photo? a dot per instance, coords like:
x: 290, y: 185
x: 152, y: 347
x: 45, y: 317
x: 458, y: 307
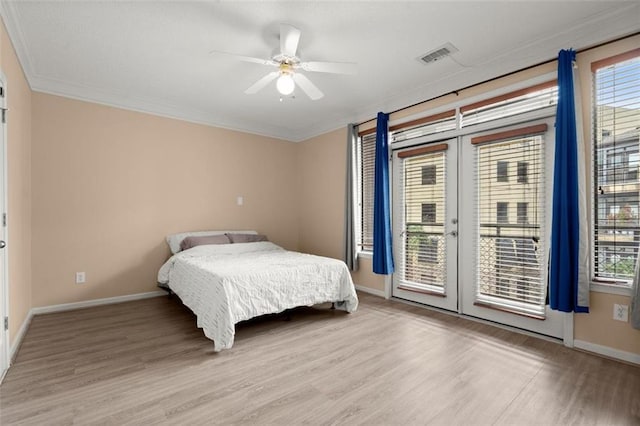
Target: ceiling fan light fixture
x: 285, y: 84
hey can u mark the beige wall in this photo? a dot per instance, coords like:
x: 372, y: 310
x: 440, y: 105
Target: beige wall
x: 321, y: 165
x: 109, y: 184
x: 364, y: 276
x: 597, y: 327
x: 19, y: 185
x: 321, y: 173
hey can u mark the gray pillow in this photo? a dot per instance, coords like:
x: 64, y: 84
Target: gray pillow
x: 246, y: 238
x: 190, y: 242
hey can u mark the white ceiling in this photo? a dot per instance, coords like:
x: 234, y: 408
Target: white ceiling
x: 153, y: 56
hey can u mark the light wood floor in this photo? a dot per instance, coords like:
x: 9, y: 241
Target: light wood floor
x: 145, y: 362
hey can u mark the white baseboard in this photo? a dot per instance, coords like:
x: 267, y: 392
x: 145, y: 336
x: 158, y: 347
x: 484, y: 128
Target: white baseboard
x: 19, y: 336
x: 95, y: 302
x: 375, y: 292
x: 69, y: 307
x: 607, y: 351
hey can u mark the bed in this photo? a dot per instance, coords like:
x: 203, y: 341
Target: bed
x: 227, y: 281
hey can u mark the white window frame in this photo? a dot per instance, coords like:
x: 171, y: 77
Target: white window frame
x: 600, y: 285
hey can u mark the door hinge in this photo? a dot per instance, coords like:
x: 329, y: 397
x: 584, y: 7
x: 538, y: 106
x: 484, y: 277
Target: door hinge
x: 4, y: 219
x: 4, y: 115
x: 6, y: 323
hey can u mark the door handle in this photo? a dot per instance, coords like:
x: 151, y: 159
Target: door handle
x: 453, y: 233
x: 2, y: 244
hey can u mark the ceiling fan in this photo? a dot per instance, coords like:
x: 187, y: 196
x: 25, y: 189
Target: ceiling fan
x: 289, y: 65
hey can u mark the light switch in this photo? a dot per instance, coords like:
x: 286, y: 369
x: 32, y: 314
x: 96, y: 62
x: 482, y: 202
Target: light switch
x: 240, y: 200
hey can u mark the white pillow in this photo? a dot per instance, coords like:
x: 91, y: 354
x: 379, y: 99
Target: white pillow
x: 174, y: 240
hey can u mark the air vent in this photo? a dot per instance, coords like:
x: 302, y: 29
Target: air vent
x: 438, y: 54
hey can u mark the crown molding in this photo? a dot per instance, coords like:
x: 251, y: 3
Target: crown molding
x: 154, y: 107
x: 12, y: 23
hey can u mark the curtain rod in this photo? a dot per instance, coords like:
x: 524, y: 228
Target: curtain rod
x: 456, y: 92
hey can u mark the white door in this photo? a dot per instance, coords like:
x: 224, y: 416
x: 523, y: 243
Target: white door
x: 4, y: 293
x: 425, y: 224
x: 505, y: 210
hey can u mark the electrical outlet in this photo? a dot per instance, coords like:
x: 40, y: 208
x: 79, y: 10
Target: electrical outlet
x: 80, y: 278
x: 621, y: 312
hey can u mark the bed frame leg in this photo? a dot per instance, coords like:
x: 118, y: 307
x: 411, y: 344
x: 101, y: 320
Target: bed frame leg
x: 333, y: 305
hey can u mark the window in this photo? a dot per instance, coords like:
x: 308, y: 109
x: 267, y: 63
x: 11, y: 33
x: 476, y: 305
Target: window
x: 616, y: 197
x: 523, y: 172
x: 429, y: 174
x: 523, y: 213
x: 367, y: 162
x: 428, y: 213
x: 423, y: 261
x: 509, y: 269
x: 502, y: 212
x: 533, y: 98
x: 502, y: 174
x: 428, y: 250
x: 424, y: 126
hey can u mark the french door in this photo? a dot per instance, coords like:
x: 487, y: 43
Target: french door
x: 425, y: 224
x: 506, y: 223
x: 471, y: 225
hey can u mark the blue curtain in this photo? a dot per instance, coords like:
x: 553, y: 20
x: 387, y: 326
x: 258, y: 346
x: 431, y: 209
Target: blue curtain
x: 564, y: 262
x: 382, y: 252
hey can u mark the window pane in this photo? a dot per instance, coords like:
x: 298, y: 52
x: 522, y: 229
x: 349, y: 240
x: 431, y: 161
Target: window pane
x: 519, y: 104
x: 509, y: 252
x: 367, y: 152
x: 427, y: 128
x: 523, y: 212
x: 428, y: 213
x: 424, y: 262
x: 523, y: 170
x: 616, y: 158
x: 502, y: 171
x: 429, y: 174
x: 502, y: 212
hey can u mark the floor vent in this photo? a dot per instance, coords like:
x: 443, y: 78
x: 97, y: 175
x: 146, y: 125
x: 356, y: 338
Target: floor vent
x: 438, y: 54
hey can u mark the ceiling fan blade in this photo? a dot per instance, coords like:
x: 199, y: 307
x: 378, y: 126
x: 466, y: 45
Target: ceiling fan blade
x: 307, y: 86
x: 246, y: 58
x: 260, y: 84
x: 348, y: 68
x: 289, y: 38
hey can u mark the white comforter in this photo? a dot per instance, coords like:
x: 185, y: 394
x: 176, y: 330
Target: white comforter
x: 228, y: 283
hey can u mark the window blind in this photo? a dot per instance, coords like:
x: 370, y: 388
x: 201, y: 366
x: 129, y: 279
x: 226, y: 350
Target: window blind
x: 530, y: 99
x: 423, y: 265
x: 510, y: 224
x: 367, y: 154
x: 616, y: 200
x: 423, y: 126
